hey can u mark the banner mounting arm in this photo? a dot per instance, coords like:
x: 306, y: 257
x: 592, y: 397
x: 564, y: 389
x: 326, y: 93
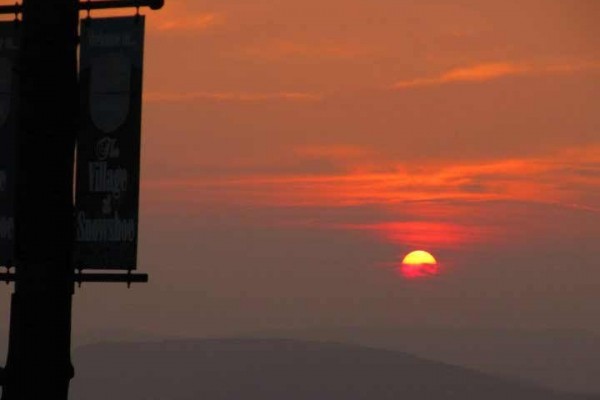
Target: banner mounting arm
x: 80, y: 277
x: 96, y: 5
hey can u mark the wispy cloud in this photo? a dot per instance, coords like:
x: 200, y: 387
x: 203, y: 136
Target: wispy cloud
x: 442, y: 206
x: 476, y: 73
x: 426, y: 234
x: 570, y: 178
x: 190, y: 22
x: 491, y: 71
x: 230, y: 96
x: 185, y: 15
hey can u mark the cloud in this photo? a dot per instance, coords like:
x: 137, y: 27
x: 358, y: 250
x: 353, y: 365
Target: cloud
x: 426, y: 234
x: 569, y: 178
x: 492, y: 71
x: 193, y: 22
x: 443, y: 206
x: 184, y: 15
x: 476, y: 73
x: 170, y: 97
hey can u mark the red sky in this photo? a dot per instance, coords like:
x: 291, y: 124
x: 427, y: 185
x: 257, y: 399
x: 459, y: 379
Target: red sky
x: 294, y: 151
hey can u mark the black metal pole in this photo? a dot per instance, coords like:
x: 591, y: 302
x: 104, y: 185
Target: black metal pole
x: 39, y: 362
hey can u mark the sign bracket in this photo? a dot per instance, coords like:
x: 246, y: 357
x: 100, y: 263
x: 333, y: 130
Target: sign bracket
x: 96, y: 5
x: 80, y: 278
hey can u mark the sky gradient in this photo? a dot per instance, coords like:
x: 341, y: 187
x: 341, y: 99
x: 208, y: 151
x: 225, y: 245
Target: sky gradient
x: 306, y: 131
x: 294, y: 152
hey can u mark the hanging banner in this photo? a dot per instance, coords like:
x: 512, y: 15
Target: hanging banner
x: 108, y: 146
x: 9, y: 40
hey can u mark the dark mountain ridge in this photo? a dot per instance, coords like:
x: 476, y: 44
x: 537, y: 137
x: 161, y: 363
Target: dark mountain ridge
x: 269, y: 369
x: 563, y: 360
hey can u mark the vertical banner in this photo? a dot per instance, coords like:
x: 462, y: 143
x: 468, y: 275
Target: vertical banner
x: 108, y: 146
x: 9, y: 40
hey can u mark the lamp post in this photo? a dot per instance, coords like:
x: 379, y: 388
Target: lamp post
x: 39, y: 360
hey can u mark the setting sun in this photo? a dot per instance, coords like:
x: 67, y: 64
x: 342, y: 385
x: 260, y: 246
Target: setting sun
x: 418, y: 264
x: 419, y: 257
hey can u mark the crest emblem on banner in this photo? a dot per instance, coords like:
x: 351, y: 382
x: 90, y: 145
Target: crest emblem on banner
x: 5, y: 89
x: 110, y: 91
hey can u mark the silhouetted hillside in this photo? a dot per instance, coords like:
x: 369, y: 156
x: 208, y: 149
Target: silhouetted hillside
x: 565, y: 360
x: 279, y: 369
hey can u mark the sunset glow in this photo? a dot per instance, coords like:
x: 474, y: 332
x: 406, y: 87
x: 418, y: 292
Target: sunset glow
x: 285, y: 141
x: 364, y: 178
x: 324, y: 199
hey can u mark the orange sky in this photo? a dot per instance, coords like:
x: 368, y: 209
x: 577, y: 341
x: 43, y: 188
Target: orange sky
x: 294, y: 151
x: 379, y: 104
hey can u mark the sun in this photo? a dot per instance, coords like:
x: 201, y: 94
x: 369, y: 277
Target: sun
x: 419, y: 264
x: 419, y: 257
